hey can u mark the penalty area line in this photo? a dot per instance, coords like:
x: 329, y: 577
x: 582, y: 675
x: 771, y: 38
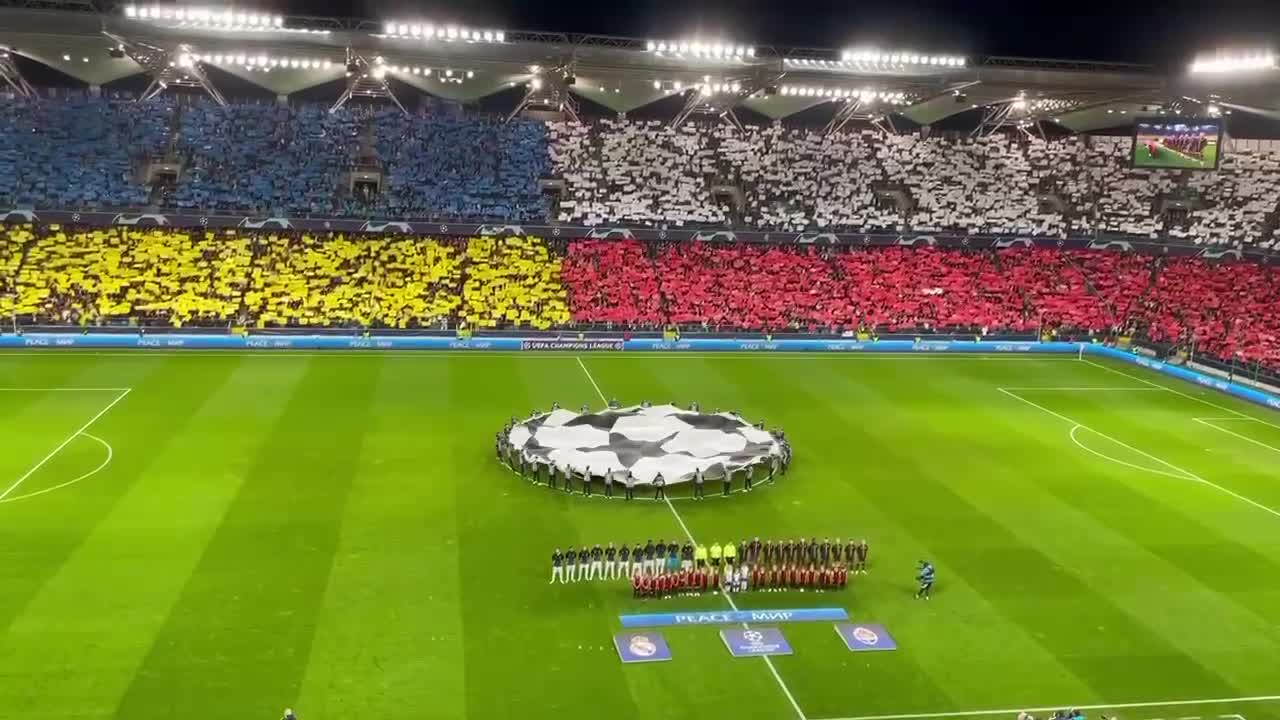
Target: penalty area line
x: 63, y: 444
x: 1052, y: 708
x: 1175, y: 391
x: 685, y: 528
x: 1187, y: 473
x: 1233, y: 433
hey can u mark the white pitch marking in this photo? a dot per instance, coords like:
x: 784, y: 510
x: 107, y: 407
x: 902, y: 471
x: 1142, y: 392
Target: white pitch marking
x: 1051, y: 708
x: 1189, y: 475
x: 1175, y: 391
x: 1236, y: 434
x: 680, y: 520
x: 62, y: 389
x: 63, y: 444
x: 69, y: 483
x: 1125, y: 388
x: 1088, y: 449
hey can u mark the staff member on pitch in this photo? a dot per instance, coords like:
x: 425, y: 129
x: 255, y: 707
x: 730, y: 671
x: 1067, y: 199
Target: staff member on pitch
x: 716, y: 553
x: 730, y: 552
x: 659, y: 487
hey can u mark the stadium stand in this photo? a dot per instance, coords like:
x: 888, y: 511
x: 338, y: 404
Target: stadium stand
x: 334, y: 281
x: 82, y: 153
x: 461, y: 166
x: 263, y: 158
x: 1226, y: 310
x: 513, y: 283
x: 643, y: 173
x: 77, y: 152
x: 153, y: 276
x: 241, y: 278
x: 612, y: 282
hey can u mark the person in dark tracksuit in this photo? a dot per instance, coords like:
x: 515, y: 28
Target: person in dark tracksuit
x: 698, y: 479
x: 631, y: 485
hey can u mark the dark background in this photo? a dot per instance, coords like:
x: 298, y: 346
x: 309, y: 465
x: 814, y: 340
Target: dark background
x: 1159, y: 32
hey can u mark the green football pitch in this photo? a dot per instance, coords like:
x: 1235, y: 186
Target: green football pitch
x: 203, y: 535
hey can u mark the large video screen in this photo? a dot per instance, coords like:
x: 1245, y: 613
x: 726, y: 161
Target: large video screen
x: 1191, y: 144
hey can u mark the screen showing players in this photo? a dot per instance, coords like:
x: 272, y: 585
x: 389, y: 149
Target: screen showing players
x: 1193, y: 144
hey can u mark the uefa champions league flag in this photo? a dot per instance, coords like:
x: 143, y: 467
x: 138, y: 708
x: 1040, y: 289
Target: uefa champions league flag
x: 753, y: 642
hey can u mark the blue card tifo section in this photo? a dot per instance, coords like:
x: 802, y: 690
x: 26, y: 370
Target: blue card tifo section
x: 642, y: 647
x: 865, y: 637
x: 735, y: 617
x: 754, y: 642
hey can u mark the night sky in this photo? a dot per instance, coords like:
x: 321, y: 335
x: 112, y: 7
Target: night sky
x: 1158, y: 32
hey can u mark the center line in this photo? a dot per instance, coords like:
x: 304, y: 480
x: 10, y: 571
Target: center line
x: 767, y: 660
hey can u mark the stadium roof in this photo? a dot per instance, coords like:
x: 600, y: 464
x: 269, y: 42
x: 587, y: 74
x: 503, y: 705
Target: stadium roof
x: 287, y: 54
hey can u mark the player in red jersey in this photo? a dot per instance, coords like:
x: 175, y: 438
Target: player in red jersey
x: 686, y: 582
x: 842, y: 576
x: 635, y: 586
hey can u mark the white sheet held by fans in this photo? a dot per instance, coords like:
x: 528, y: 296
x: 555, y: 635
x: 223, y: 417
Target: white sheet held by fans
x: 645, y: 441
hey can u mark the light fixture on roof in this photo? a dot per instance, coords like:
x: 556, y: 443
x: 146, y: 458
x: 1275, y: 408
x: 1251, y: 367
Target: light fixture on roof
x: 716, y: 50
x: 426, y: 31
x: 1235, y: 62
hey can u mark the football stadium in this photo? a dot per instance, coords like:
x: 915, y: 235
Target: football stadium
x: 406, y: 369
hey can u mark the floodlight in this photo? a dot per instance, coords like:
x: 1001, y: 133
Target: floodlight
x: 500, y: 36
x: 130, y: 11
x: 536, y: 83
x: 657, y: 85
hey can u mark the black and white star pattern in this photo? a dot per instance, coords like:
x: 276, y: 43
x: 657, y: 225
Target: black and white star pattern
x: 644, y: 440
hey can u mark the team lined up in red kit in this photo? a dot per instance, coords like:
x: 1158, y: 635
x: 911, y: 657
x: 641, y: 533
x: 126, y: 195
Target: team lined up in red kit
x: 765, y: 567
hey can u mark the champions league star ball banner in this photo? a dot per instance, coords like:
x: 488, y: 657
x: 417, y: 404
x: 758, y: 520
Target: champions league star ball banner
x: 645, y: 442
x: 864, y: 637
x: 641, y: 647
x: 755, y: 642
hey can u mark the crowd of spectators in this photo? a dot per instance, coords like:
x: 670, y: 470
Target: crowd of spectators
x: 241, y: 278
x: 514, y: 282
x: 78, y: 152
x: 444, y: 166
x: 797, y: 179
x: 263, y: 158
